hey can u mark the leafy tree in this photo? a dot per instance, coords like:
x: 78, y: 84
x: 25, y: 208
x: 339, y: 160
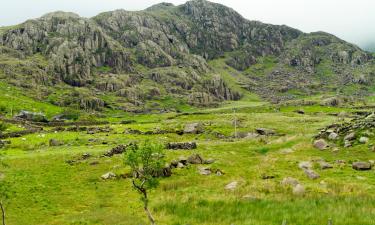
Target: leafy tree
x: 146, y: 162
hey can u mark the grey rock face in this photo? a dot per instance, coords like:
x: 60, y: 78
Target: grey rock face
x: 173, y: 44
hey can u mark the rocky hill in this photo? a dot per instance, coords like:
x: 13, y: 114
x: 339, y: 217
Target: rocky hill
x: 139, y: 60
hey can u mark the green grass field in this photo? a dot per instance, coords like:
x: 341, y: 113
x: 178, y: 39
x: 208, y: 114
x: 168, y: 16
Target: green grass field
x: 43, y: 189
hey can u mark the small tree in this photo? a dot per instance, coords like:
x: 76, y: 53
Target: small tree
x: 146, y: 162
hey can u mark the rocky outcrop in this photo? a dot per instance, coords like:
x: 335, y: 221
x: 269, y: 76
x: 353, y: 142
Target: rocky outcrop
x: 349, y: 133
x: 163, y: 52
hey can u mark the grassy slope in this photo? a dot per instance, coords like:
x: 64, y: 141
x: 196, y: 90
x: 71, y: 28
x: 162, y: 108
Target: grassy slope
x: 45, y: 190
x: 14, y: 100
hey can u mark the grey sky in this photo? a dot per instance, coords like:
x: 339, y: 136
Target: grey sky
x: 351, y: 20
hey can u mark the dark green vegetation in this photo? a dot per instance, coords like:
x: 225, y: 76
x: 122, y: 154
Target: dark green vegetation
x: 126, y: 77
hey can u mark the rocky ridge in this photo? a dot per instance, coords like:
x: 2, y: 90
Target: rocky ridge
x: 165, y: 50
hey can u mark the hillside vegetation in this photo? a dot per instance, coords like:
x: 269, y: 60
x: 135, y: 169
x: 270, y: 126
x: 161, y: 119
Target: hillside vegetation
x: 256, y: 124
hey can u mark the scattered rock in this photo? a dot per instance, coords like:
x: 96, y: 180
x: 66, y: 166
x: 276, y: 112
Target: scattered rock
x: 93, y: 163
x: 311, y: 174
x: 321, y: 144
x: 363, y: 140
x: 299, y: 190
x: 209, y: 161
x: 128, y: 121
x: 231, y: 186
x: 54, y: 142
x: 219, y: 172
x: 183, y: 160
x: 289, y: 181
x: 166, y: 171
x: 333, y: 136
x: 267, y: 177
x: 300, y: 111
x: 108, y: 176
x: 324, y: 165
x: 340, y: 162
x: 4, y: 142
x: 204, y: 171
x: 94, y: 130
x: 265, y: 131
x: 174, y: 163
x: 117, y: 150
x: 182, y: 145
x: 305, y: 165
x: 350, y: 137
x: 180, y: 165
x: 250, y: 198
x: 195, y: 159
x: 193, y: 128
x: 361, y: 166
x: 347, y: 144
x: 86, y: 156
x: 286, y: 151
x: 131, y: 131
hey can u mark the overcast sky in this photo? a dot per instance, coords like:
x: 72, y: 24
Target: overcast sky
x: 351, y: 20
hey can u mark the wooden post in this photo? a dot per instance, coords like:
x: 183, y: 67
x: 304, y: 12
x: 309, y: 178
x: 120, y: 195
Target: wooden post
x: 235, y: 123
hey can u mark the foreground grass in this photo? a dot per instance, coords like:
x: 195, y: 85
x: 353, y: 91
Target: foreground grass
x: 44, y: 189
